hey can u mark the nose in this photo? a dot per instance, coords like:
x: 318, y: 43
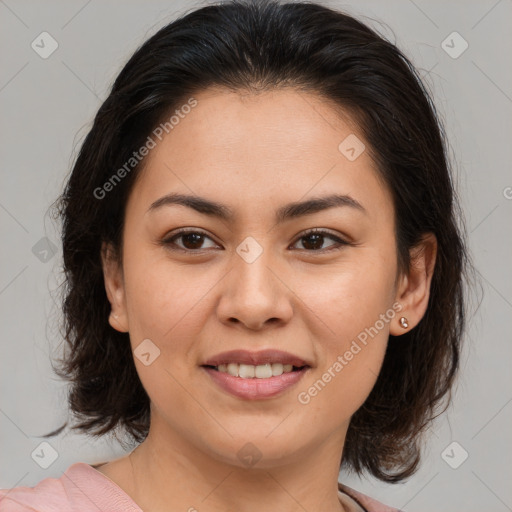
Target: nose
x: 255, y: 294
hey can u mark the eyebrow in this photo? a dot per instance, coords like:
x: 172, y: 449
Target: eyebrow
x: 286, y: 212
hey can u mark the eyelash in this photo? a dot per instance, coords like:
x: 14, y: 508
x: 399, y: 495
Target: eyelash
x: 169, y: 241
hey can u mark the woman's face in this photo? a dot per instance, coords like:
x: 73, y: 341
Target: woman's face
x: 252, y: 281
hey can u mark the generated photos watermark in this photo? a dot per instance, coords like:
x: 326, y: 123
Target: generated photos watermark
x: 138, y: 156
x: 305, y: 397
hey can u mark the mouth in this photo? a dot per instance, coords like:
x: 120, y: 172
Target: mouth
x: 250, y: 382
x: 255, y: 375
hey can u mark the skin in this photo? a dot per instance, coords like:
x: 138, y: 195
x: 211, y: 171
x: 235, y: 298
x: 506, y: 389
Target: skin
x: 255, y: 153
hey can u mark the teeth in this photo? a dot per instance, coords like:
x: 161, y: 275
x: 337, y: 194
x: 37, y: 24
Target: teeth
x: 249, y: 371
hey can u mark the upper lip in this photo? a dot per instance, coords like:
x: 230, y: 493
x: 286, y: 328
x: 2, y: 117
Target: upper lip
x: 255, y: 358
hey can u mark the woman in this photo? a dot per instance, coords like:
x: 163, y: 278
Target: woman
x: 264, y: 268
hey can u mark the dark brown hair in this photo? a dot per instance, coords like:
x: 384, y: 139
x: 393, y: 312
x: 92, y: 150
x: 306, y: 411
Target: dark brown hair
x: 257, y: 46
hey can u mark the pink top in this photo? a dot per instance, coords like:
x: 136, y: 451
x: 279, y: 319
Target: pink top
x: 82, y: 488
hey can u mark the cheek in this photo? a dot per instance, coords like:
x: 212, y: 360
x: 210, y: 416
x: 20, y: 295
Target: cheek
x: 163, y: 300
x: 353, y: 310
x: 348, y: 297
x: 350, y: 363
x: 165, y: 305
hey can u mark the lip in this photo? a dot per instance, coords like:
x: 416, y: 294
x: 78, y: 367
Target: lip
x: 255, y: 389
x: 256, y: 358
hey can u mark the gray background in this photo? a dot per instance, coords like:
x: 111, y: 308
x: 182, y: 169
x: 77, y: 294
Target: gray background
x: 47, y: 107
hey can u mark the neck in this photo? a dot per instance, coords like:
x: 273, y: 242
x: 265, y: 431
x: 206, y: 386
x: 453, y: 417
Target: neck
x: 167, y: 470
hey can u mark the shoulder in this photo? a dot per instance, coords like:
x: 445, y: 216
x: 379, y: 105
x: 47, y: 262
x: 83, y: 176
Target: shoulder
x: 369, y: 504
x: 79, y: 488
x: 48, y: 494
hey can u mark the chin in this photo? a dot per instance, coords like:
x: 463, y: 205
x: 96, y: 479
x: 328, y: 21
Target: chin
x: 256, y: 448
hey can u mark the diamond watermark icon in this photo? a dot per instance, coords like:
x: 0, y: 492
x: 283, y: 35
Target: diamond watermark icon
x: 44, y: 250
x: 147, y: 352
x: 351, y: 147
x: 454, y: 455
x: 44, y: 45
x: 454, y: 45
x: 44, y: 455
x: 249, y: 250
x: 249, y: 454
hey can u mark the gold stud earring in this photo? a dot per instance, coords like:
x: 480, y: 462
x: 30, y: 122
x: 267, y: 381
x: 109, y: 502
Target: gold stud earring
x: 404, y: 323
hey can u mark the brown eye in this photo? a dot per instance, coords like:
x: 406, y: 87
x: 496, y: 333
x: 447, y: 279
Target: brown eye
x: 313, y: 241
x: 192, y: 241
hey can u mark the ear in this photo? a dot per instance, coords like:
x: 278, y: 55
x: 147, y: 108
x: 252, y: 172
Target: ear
x: 114, y: 286
x: 413, y: 290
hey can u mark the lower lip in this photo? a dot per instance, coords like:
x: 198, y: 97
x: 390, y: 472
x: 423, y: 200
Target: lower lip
x: 255, y: 389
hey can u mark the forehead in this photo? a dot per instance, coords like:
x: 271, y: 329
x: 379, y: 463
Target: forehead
x: 276, y: 146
